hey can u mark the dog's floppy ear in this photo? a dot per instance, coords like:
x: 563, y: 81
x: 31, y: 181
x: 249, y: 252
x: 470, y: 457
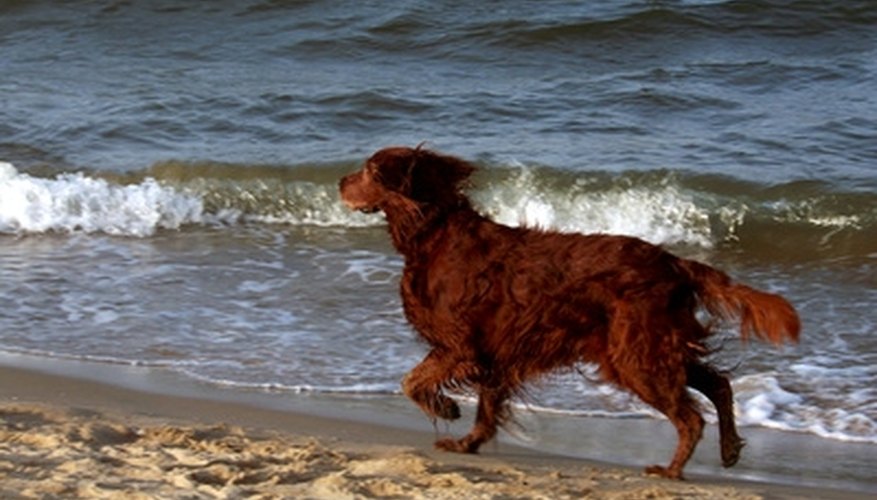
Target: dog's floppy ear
x: 421, y: 175
x: 393, y: 167
x: 437, y: 178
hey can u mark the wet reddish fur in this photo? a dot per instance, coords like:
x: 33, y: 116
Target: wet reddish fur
x: 500, y: 306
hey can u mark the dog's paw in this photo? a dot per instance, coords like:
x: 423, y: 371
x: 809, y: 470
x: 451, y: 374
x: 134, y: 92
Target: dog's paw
x: 455, y: 445
x: 448, y: 444
x: 731, y: 452
x: 657, y: 470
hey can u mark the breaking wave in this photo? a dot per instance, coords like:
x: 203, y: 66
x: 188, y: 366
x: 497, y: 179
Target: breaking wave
x: 803, y: 219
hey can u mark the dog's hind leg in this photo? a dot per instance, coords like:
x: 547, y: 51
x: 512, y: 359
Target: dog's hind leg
x: 645, y: 357
x: 666, y: 392
x: 424, y: 383
x: 492, y: 412
x: 716, y: 388
x: 682, y: 412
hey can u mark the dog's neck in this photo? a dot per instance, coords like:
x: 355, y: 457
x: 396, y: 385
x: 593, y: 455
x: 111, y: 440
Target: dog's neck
x: 410, y: 223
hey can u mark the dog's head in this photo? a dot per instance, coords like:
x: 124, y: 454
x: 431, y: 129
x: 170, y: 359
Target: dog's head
x: 415, y: 174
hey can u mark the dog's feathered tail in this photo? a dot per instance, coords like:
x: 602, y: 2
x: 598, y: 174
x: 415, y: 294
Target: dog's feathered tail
x: 764, y: 315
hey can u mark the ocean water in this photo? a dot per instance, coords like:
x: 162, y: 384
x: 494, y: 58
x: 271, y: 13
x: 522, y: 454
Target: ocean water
x: 168, y: 177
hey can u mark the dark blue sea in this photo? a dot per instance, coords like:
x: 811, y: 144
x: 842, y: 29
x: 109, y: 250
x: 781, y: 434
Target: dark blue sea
x: 168, y: 176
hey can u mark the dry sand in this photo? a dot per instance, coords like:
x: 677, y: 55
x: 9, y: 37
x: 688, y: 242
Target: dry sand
x: 51, y: 452
x: 67, y: 438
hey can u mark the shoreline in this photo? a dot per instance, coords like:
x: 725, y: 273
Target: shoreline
x: 373, y: 427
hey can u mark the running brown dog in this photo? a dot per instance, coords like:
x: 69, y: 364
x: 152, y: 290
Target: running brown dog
x: 500, y: 306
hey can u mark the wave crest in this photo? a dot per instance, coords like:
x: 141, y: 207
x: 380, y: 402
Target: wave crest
x: 801, y: 220
x: 75, y: 202
x: 661, y: 214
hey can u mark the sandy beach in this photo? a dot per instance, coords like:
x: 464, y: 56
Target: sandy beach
x: 68, y: 437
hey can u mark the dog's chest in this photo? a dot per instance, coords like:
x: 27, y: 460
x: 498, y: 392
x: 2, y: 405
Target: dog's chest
x: 416, y: 300
x: 425, y: 300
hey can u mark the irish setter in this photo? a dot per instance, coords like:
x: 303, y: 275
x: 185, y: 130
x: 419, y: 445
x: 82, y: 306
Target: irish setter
x: 501, y: 305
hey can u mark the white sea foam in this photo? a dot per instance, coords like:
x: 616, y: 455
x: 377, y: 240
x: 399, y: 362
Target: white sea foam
x: 659, y: 214
x: 763, y: 401
x: 76, y: 202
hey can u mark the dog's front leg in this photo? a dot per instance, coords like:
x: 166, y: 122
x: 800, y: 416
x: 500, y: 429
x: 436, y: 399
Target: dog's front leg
x: 492, y: 412
x: 424, y: 384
